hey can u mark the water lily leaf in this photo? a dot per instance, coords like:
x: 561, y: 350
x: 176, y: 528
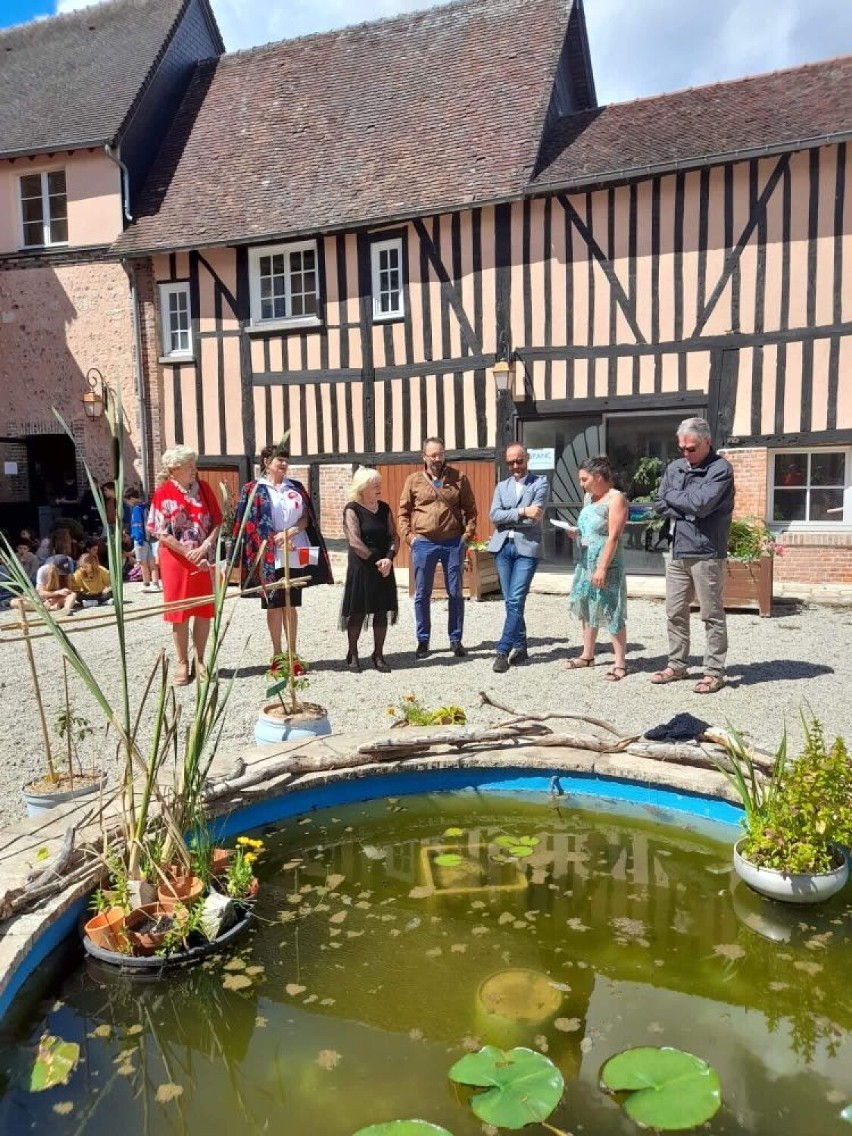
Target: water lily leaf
x: 448, y: 860
x: 169, y: 1092
x: 519, y: 851
x: 403, y: 1128
x: 454, y: 832
x: 236, y: 982
x: 55, y: 1062
x: 505, y: 841
x: 522, y: 1086
x: 668, y: 1088
x: 293, y: 989
x: 334, y: 882
x: 530, y: 841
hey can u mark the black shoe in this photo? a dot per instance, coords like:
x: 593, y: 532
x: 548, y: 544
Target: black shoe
x: 457, y: 650
x: 353, y: 662
x: 518, y: 657
x: 380, y: 664
x: 422, y: 651
x: 501, y: 664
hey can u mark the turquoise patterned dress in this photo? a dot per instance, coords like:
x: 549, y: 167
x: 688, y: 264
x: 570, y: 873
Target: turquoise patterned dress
x: 606, y: 606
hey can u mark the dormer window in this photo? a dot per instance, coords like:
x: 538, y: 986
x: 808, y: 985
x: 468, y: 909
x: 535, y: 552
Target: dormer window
x: 44, y: 209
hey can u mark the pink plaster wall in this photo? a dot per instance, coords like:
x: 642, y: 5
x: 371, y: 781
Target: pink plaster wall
x: 94, y: 197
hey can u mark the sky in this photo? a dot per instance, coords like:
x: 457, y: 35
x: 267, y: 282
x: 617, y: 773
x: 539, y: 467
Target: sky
x: 639, y: 47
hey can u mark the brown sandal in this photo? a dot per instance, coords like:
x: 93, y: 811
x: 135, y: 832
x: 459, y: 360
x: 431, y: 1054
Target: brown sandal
x: 710, y: 684
x: 616, y: 674
x: 668, y: 674
x: 578, y: 664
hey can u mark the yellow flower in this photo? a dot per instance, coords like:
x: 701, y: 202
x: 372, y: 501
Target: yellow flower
x: 250, y: 857
x: 244, y: 840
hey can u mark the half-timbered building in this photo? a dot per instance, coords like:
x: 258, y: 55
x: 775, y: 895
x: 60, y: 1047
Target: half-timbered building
x: 344, y: 233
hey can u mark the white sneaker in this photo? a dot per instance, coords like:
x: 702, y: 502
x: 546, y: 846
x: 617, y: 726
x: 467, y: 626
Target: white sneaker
x: 148, y: 588
x: 158, y: 587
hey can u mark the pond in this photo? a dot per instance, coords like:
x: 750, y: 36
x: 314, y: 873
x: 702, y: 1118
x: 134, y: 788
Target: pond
x: 395, y: 936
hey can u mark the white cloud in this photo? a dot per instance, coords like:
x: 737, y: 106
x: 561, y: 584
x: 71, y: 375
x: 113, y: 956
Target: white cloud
x: 638, y: 48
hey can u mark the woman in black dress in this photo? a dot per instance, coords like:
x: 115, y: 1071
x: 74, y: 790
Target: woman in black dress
x: 369, y: 595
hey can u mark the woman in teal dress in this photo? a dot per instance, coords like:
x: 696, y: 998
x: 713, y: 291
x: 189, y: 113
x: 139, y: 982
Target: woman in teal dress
x: 598, y: 592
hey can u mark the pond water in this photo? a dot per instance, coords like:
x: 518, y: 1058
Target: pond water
x: 372, y: 969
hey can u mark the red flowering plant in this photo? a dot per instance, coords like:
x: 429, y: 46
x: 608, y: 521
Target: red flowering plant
x: 288, y: 673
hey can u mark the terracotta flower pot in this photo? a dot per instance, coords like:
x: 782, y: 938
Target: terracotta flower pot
x: 106, y: 929
x: 220, y: 858
x: 185, y: 891
x: 148, y: 926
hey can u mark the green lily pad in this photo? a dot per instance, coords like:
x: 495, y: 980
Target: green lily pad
x: 403, y: 1128
x: 448, y: 860
x: 523, y: 1086
x: 454, y: 832
x: 54, y: 1064
x: 530, y: 841
x: 519, y: 851
x: 668, y: 1088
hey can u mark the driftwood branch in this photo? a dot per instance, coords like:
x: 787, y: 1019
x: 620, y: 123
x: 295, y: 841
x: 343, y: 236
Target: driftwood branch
x: 517, y: 717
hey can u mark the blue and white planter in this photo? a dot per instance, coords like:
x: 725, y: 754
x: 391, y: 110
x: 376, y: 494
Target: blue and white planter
x: 275, y: 726
x: 39, y: 803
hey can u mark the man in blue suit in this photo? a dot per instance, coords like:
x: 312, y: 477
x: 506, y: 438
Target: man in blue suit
x: 516, y: 511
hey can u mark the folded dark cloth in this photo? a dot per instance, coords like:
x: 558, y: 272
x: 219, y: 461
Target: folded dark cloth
x: 681, y: 728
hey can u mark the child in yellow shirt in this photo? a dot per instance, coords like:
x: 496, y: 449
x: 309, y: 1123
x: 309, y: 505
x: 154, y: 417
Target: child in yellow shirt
x: 91, y: 582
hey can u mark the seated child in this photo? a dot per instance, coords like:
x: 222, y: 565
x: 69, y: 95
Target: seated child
x: 52, y: 584
x: 91, y: 582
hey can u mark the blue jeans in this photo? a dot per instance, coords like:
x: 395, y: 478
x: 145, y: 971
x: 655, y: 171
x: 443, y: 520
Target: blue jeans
x: 425, y: 556
x: 516, y: 573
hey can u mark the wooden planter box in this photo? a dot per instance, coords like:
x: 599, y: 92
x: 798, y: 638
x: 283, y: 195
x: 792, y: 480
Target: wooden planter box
x: 480, y: 577
x: 748, y: 585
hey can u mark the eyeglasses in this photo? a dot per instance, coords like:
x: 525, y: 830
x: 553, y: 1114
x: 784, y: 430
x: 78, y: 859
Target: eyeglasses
x: 515, y: 461
x: 687, y: 449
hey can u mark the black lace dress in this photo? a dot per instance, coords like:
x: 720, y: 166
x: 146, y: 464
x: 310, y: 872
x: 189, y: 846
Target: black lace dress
x: 372, y: 537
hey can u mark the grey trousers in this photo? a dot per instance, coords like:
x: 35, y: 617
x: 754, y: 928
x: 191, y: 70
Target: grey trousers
x: 702, y: 580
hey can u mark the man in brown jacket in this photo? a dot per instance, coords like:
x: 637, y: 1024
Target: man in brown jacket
x: 437, y: 517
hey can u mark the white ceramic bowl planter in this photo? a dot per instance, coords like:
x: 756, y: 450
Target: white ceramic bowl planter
x: 803, y: 887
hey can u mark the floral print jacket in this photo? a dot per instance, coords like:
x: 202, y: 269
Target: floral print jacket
x: 258, y: 567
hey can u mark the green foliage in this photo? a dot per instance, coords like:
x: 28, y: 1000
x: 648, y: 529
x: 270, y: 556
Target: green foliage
x: 241, y: 868
x: 646, y: 478
x: 448, y: 859
x: 523, y: 1086
x: 412, y: 712
x: 403, y: 1128
x: 54, y: 1064
x: 289, y: 675
x: 668, y: 1089
x: 749, y: 539
x: 796, y: 815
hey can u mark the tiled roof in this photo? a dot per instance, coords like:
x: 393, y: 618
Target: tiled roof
x: 71, y: 80
x: 765, y: 113
x: 390, y: 119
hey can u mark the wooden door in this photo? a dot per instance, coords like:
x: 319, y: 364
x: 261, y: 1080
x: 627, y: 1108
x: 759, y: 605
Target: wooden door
x: 216, y: 477
x: 480, y: 474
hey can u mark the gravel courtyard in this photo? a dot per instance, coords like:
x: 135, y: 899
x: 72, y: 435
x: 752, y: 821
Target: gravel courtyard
x: 801, y: 656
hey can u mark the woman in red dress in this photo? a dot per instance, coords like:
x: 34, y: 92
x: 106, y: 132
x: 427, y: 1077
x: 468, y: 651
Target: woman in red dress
x: 185, y: 519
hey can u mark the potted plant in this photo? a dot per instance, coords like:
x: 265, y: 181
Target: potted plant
x: 289, y: 717
x: 56, y: 786
x: 798, y: 819
x: 749, y: 567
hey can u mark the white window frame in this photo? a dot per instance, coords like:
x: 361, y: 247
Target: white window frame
x: 288, y: 321
x: 844, y: 524
x: 179, y: 288
x: 376, y: 250
x: 46, y: 219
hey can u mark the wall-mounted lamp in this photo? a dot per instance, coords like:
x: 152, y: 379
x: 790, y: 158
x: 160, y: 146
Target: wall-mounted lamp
x: 94, y: 398
x: 504, y: 375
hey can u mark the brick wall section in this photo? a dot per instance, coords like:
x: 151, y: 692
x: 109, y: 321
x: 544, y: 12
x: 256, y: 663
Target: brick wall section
x: 815, y: 558
x: 149, y: 338
x: 14, y: 487
x: 751, y: 470
x: 334, y: 493
x: 56, y: 322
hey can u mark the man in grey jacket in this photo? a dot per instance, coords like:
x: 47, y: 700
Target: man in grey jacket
x: 517, y: 510
x: 697, y: 494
